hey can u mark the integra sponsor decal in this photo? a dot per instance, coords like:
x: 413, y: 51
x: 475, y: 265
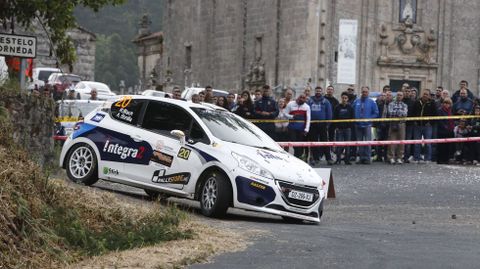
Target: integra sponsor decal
x: 122, y: 151
x: 162, y: 158
x: 177, y: 178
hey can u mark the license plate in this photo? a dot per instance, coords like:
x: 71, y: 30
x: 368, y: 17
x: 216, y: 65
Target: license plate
x: 300, y: 195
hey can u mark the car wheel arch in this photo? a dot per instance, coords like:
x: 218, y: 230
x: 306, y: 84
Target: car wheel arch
x: 81, y: 140
x: 203, y: 177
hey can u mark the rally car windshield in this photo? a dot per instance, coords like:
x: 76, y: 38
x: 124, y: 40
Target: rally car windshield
x: 232, y: 128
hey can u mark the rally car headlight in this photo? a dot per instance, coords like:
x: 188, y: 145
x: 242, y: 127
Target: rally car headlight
x: 249, y: 165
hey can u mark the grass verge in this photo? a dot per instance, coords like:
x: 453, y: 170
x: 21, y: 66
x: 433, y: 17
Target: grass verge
x: 47, y: 224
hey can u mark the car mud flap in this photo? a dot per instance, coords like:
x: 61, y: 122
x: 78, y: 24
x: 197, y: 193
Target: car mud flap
x: 327, y: 177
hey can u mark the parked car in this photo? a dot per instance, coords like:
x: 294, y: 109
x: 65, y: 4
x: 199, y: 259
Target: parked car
x: 155, y: 93
x: 40, y: 76
x: 83, y: 89
x: 69, y: 112
x: 188, y: 92
x: 59, y: 83
x: 173, y: 147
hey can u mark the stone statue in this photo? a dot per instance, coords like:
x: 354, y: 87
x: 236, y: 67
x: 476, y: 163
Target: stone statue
x: 383, y: 42
x: 256, y: 75
x: 427, y: 48
x: 407, y: 12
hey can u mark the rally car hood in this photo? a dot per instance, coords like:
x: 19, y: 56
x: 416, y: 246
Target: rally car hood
x: 282, y: 165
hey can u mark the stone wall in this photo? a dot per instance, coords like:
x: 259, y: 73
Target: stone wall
x: 299, y: 41
x: 33, y: 124
x: 84, y: 42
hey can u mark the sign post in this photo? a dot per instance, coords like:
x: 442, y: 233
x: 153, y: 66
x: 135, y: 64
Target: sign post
x: 21, y: 46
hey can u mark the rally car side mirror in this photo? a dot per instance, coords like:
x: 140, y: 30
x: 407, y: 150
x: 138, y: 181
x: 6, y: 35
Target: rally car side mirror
x: 179, y: 134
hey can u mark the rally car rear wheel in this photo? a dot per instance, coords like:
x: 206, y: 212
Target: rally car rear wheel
x: 82, y: 164
x: 216, y: 195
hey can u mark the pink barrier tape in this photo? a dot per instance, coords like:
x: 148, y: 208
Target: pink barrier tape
x: 378, y: 143
x: 60, y: 137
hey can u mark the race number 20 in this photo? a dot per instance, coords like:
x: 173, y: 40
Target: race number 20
x: 123, y: 102
x: 184, y: 153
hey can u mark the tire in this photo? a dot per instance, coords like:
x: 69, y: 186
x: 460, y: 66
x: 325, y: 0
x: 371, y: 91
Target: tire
x: 215, y: 195
x: 79, y: 97
x: 155, y: 195
x: 82, y: 166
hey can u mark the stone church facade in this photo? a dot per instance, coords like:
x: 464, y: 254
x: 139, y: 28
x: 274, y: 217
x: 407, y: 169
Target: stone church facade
x: 242, y: 44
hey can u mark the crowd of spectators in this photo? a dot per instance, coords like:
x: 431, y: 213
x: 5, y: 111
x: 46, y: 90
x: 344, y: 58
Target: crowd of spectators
x: 300, y: 119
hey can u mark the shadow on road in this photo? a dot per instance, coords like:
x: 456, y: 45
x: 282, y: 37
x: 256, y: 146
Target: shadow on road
x: 233, y: 215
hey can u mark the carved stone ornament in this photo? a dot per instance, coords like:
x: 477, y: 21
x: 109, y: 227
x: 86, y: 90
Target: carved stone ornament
x: 411, y: 45
x: 256, y: 74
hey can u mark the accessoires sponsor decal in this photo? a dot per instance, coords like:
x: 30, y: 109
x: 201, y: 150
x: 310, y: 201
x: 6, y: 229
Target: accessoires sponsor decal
x: 177, y: 178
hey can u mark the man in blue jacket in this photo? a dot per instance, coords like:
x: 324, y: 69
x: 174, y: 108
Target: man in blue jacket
x: 365, y: 108
x: 320, y: 109
x: 266, y: 109
x: 464, y: 105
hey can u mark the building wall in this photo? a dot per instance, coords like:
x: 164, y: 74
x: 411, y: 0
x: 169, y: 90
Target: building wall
x: 84, y: 43
x: 299, y: 41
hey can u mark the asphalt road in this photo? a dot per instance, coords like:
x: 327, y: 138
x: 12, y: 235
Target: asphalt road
x: 384, y: 216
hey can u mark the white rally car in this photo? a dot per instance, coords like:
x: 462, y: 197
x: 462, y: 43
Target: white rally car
x: 174, y: 147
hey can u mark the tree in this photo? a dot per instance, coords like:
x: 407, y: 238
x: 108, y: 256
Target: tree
x: 55, y: 15
x: 115, y: 61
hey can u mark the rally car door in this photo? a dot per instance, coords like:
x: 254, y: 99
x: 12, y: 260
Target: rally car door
x: 115, y: 146
x: 172, y: 163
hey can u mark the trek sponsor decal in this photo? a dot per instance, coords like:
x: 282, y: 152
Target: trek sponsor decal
x: 162, y: 158
x: 110, y: 171
x: 177, y: 178
x: 184, y: 153
x: 98, y: 117
x: 116, y: 147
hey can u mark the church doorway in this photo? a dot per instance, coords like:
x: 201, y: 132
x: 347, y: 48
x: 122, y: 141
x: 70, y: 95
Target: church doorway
x: 396, y: 84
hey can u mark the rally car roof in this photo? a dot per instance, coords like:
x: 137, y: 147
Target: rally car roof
x: 182, y: 103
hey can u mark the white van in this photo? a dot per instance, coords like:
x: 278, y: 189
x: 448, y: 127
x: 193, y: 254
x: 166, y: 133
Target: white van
x: 188, y: 92
x: 40, y: 75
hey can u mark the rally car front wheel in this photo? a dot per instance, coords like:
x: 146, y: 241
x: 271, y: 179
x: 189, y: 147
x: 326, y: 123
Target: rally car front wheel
x: 82, y: 164
x: 216, y: 195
